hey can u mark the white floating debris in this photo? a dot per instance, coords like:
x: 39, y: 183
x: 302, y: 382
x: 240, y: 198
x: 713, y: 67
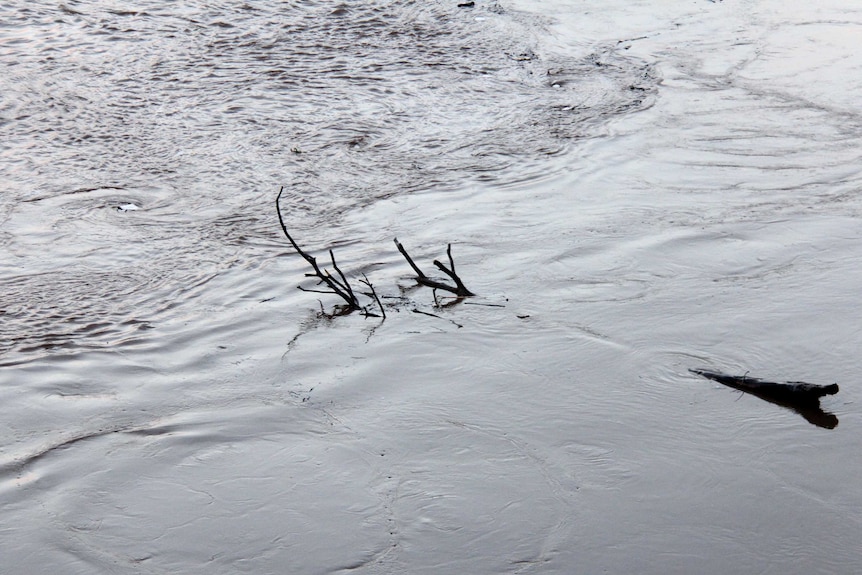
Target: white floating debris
x: 128, y: 207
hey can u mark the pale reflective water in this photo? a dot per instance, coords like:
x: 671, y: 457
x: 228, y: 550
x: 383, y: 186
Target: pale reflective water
x: 632, y: 190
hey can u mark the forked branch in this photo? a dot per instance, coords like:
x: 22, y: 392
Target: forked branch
x: 338, y: 287
x: 458, y: 289
x: 373, y: 294
x: 338, y: 284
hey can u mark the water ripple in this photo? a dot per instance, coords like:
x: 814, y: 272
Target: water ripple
x: 142, y: 145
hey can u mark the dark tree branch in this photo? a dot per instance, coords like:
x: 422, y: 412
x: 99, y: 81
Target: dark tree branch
x: 451, y: 261
x: 459, y: 289
x: 300, y: 288
x: 428, y: 282
x: 409, y: 259
x: 346, y: 285
x: 373, y: 294
x: 338, y: 284
x: 343, y: 291
x: 455, y: 323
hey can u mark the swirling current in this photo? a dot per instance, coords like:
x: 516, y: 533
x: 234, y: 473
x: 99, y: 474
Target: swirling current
x: 142, y: 146
x: 637, y: 192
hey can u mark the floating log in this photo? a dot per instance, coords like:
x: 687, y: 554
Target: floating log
x: 797, y: 391
x: 799, y: 396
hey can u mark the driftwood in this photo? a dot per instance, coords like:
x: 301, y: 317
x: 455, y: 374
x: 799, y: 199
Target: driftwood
x: 337, y: 283
x: 458, y: 289
x: 801, y: 397
x: 339, y: 286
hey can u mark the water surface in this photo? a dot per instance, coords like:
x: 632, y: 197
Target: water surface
x: 633, y: 191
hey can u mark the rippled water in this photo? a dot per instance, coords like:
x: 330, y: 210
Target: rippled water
x: 196, y: 114
x: 633, y: 190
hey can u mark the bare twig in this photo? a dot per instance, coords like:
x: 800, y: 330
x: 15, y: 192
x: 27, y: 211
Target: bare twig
x: 338, y: 284
x: 462, y: 289
x: 346, y: 284
x: 342, y: 290
x: 451, y: 261
x: 438, y: 317
x: 459, y: 289
x: 409, y: 259
x: 373, y: 294
x: 300, y: 288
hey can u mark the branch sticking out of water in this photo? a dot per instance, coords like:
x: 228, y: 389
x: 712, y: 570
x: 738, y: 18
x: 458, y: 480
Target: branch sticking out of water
x: 458, y: 289
x: 372, y: 294
x: 337, y: 285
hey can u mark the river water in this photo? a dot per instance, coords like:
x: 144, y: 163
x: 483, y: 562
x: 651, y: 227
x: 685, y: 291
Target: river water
x: 633, y: 189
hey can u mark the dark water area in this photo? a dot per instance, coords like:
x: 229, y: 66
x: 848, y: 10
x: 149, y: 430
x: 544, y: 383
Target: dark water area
x: 633, y: 190
x: 192, y: 116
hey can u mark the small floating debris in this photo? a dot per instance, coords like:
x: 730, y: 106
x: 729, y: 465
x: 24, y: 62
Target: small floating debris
x: 127, y: 207
x: 799, y: 396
